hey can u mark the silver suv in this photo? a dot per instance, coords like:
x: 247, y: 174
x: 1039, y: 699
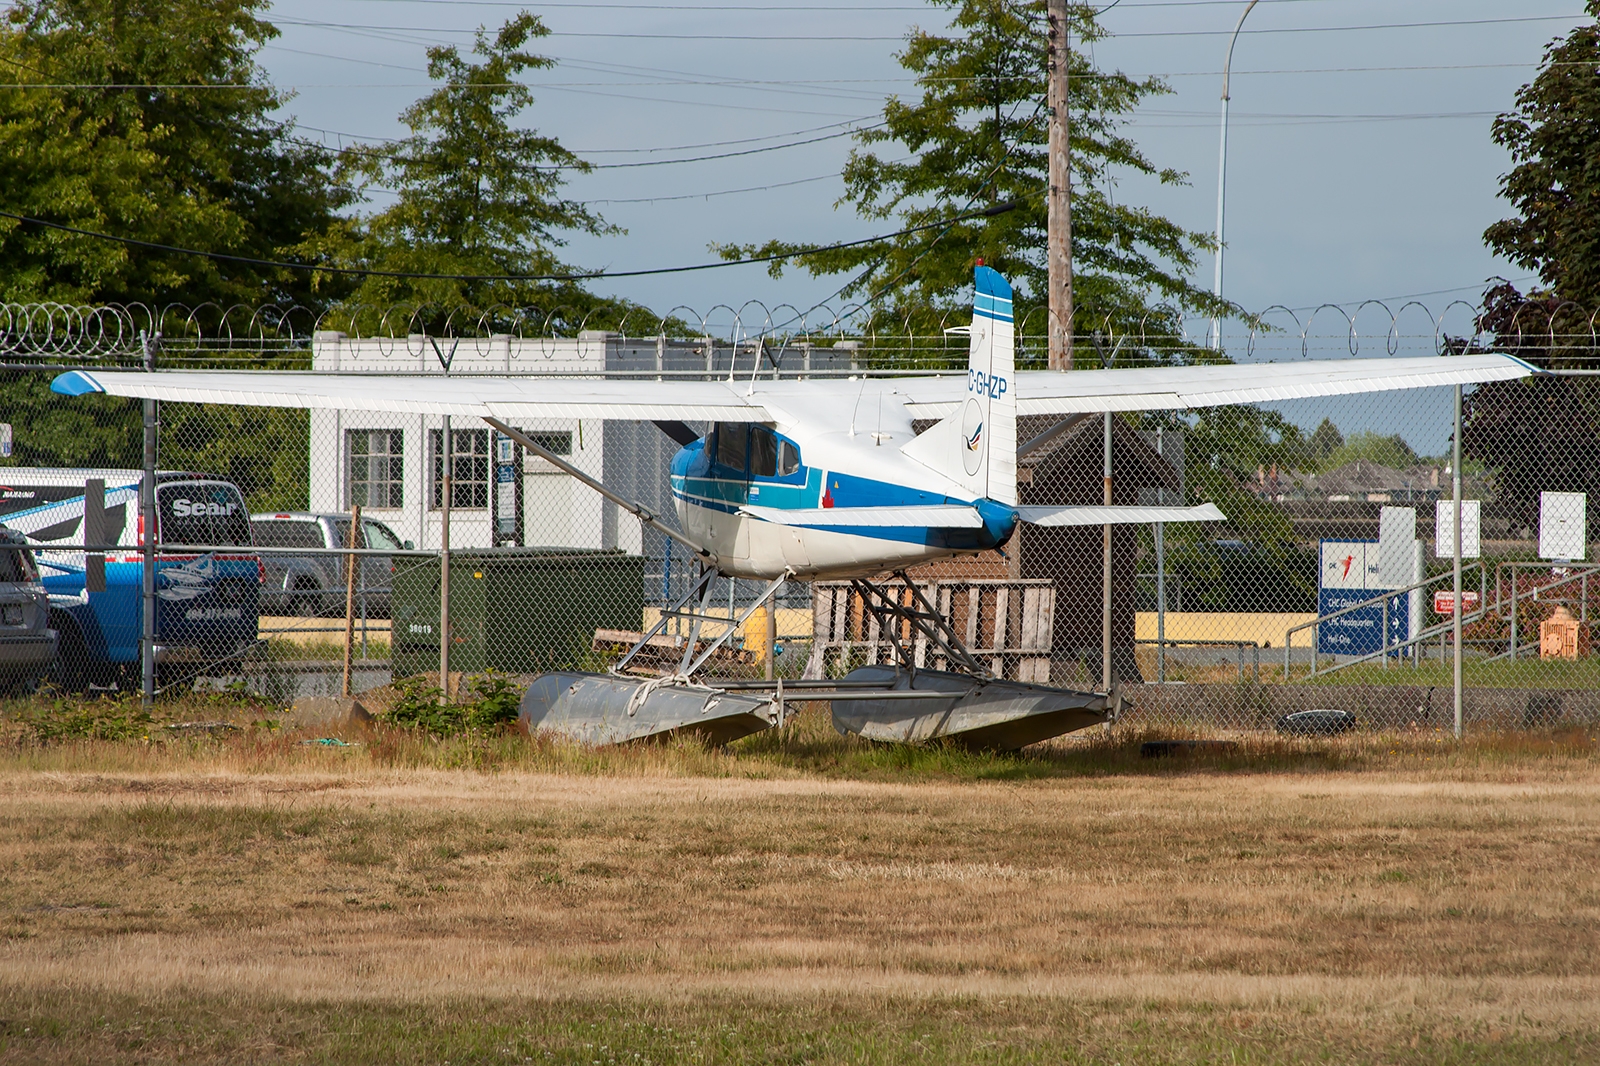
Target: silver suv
x: 311, y: 585
x: 27, y: 643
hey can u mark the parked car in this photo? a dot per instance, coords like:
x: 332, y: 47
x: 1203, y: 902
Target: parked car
x: 314, y: 584
x: 27, y: 643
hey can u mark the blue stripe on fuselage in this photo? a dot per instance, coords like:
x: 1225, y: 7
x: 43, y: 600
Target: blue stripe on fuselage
x: 692, y: 484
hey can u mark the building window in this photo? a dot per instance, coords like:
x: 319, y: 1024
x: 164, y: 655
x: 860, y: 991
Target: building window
x: 469, y: 467
x: 557, y: 442
x: 377, y: 468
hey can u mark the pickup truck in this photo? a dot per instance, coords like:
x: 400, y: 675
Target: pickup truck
x: 205, y: 597
x: 313, y: 585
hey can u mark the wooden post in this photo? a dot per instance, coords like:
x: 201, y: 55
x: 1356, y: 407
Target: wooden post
x: 351, y: 563
x: 1058, y: 242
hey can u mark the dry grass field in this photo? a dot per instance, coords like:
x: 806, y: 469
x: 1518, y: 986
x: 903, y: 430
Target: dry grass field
x: 799, y: 898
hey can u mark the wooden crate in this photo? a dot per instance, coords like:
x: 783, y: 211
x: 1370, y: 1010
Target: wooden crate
x: 1006, y: 624
x: 1562, y: 636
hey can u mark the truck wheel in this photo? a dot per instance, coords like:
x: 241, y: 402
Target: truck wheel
x: 71, y: 669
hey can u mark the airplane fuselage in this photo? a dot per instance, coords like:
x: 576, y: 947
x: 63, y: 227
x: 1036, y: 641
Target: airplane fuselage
x: 787, y: 468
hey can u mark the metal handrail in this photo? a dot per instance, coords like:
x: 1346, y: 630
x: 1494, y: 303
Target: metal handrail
x: 1582, y: 576
x: 1238, y: 645
x: 1382, y: 599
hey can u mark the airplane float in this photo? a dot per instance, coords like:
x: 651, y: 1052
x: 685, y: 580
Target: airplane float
x: 827, y: 480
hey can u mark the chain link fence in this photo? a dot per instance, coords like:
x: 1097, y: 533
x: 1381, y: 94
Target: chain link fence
x: 304, y: 551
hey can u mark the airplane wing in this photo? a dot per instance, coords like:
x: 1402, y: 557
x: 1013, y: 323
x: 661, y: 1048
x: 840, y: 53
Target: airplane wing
x: 1049, y: 392
x: 935, y: 516
x: 1039, y: 392
x: 475, y: 397
x: 1090, y: 515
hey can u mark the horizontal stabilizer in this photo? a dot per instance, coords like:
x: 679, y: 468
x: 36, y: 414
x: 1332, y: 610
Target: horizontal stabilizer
x: 1088, y: 515
x: 934, y: 516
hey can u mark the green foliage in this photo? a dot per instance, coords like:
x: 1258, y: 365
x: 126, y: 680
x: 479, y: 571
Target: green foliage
x: 1324, y: 440
x: 1391, y: 451
x: 194, y: 159
x: 103, y: 718
x: 494, y: 706
x: 476, y: 194
x: 1553, y: 184
x: 266, y: 451
x: 979, y: 136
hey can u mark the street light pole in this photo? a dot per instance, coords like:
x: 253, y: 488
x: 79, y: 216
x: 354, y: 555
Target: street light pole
x: 1222, y: 175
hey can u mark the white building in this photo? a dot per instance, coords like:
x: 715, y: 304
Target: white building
x: 391, y: 464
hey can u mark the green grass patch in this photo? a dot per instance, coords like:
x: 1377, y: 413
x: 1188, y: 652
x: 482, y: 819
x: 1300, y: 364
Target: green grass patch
x: 1524, y: 673
x: 79, y: 1027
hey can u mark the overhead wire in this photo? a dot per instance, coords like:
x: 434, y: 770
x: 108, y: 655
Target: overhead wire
x: 587, y: 275
x: 610, y: 34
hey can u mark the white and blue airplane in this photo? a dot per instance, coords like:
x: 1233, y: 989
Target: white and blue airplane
x: 827, y: 479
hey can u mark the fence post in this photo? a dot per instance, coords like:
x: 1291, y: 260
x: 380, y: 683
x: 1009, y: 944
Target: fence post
x: 1513, y: 612
x: 1161, y: 599
x: 351, y: 562
x: 1455, y: 563
x: 1383, y: 646
x: 447, y: 445
x: 149, y: 343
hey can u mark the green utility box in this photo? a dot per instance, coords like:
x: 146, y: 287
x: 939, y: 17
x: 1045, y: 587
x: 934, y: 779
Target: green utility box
x: 520, y: 612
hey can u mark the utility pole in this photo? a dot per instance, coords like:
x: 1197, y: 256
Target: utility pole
x: 1059, y: 240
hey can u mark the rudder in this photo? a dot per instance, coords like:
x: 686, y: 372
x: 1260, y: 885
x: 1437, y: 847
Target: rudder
x: 977, y: 445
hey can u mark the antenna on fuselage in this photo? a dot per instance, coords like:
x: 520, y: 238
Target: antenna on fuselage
x: 857, y: 407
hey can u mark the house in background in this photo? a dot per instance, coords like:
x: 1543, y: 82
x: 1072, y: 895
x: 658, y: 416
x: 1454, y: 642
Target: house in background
x: 1145, y: 469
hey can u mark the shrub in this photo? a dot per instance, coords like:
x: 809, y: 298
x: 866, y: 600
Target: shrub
x: 494, y: 704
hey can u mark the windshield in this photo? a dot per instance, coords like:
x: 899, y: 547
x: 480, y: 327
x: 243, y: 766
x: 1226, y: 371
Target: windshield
x: 381, y: 536
x: 202, y: 513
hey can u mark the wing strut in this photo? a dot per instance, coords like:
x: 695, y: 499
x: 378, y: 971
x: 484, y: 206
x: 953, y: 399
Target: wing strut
x: 638, y: 510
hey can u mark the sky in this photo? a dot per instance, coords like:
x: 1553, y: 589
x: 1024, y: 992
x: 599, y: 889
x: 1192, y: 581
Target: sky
x: 1360, y: 165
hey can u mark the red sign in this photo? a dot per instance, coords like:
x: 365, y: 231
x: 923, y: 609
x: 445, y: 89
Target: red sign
x: 1445, y: 602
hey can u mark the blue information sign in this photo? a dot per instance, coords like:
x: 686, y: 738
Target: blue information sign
x: 1349, y: 576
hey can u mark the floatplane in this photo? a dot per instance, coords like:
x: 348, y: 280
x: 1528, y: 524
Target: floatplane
x: 785, y: 485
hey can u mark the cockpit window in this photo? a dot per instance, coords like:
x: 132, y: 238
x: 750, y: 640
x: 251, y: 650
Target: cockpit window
x: 788, y: 459
x: 730, y: 444
x: 763, y: 452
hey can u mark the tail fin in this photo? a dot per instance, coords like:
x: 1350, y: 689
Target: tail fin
x: 977, y: 445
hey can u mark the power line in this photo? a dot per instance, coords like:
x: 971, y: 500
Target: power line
x: 996, y: 209
x: 648, y: 162
x: 367, y: 27
x: 1343, y: 29
x: 613, y: 35
x: 785, y: 7
x: 708, y: 195
x: 613, y: 151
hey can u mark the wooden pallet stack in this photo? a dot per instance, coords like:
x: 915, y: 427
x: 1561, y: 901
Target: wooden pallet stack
x: 1007, y: 624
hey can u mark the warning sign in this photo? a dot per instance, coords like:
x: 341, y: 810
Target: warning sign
x: 1445, y: 602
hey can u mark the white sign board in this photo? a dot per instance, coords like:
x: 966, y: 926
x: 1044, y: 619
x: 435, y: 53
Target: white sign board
x: 1563, y: 525
x: 1350, y: 564
x: 1444, y: 529
x: 1397, y: 533
x: 5, y: 440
